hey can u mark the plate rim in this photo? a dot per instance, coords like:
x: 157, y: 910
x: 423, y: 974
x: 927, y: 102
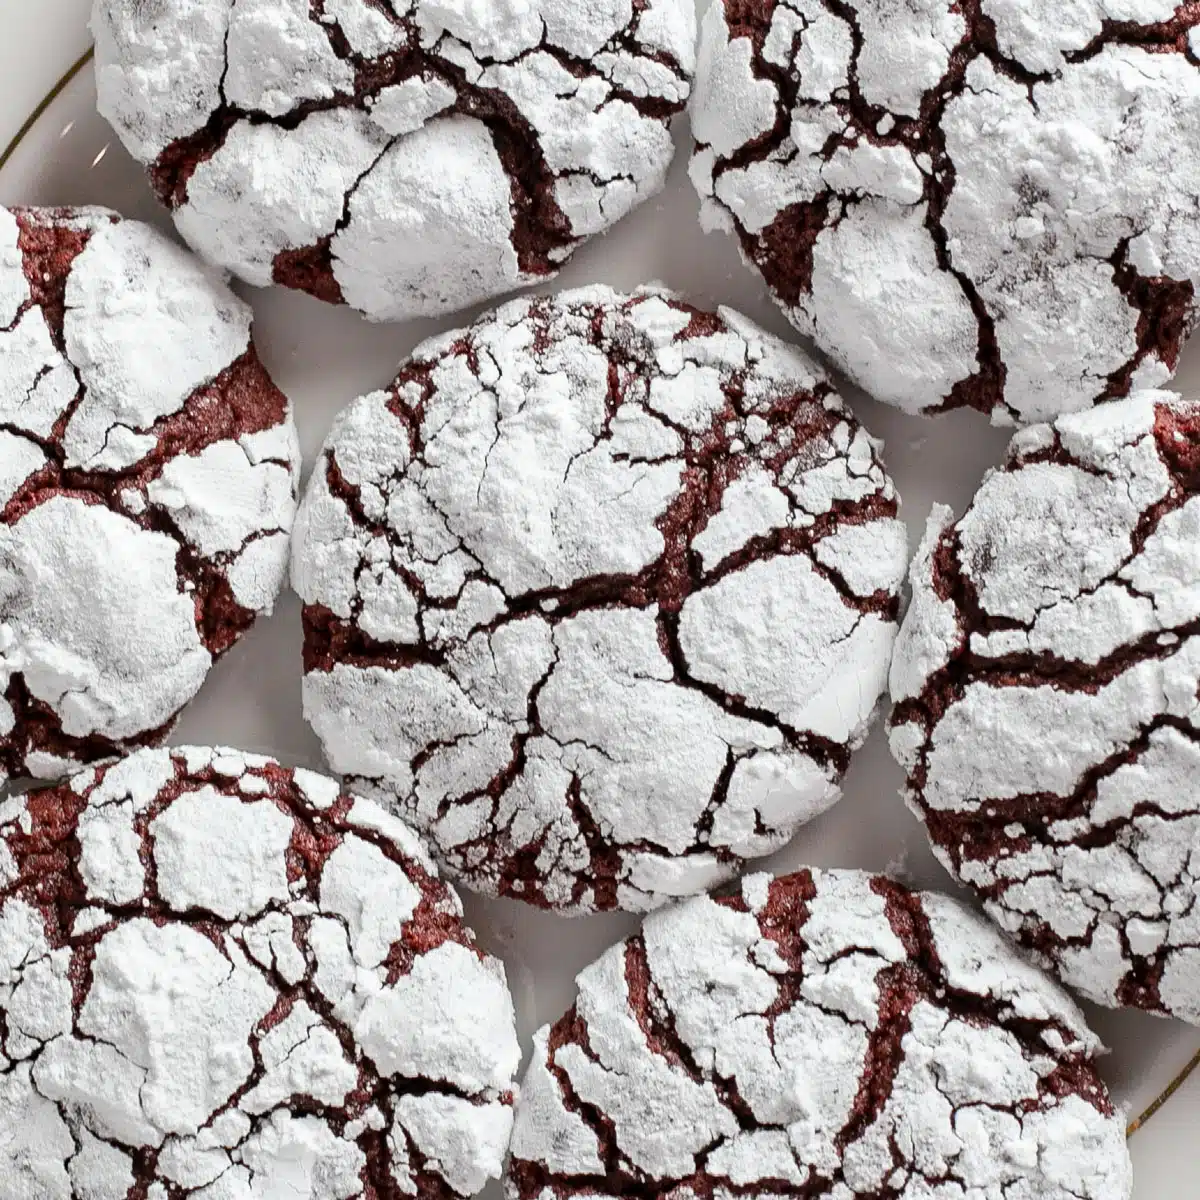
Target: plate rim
x: 27, y: 126
x: 60, y: 86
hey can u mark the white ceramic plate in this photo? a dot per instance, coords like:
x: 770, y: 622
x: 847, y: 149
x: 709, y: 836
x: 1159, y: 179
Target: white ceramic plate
x: 63, y: 153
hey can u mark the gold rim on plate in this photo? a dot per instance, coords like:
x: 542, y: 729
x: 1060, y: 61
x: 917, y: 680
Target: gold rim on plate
x: 47, y: 100
x: 61, y: 86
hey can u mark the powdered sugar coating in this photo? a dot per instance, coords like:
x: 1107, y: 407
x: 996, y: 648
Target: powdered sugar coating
x: 233, y: 993
x: 1046, y: 681
x: 601, y: 595
x: 406, y: 158
x: 148, y: 475
x: 824, y: 1034
x: 989, y: 204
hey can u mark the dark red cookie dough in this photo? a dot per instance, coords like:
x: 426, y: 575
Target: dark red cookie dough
x: 148, y: 468
x: 825, y: 1034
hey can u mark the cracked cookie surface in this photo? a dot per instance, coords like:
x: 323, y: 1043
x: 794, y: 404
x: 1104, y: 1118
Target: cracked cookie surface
x: 1047, y: 689
x: 601, y: 594
x: 988, y: 203
x: 226, y: 980
x: 405, y: 157
x: 148, y: 477
x: 824, y: 1035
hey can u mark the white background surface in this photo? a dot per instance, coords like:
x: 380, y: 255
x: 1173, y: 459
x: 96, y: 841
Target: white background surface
x: 323, y: 358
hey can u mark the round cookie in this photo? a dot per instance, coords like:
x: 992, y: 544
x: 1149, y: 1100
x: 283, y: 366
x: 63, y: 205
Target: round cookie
x: 989, y: 204
x: 407, y: 158
x: 1047, y: 688
x: 148, y: 477
x: 221, y: 978
x: 825, y: 1034
x: 600, y: 594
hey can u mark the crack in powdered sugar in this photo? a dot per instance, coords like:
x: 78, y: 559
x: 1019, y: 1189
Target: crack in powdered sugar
x: 407, y: 158
x: 823, y: 1036
x: 220, y: 978
x: 148, y: 468
x: 600, y: 594
x: 987, y: 204
x: 1047, y: 681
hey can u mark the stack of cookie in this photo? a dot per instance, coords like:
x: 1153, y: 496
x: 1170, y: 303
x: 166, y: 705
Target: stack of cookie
x: 601, y: 595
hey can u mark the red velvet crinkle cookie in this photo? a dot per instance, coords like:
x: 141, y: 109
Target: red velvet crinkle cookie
x: 1047, y: 688
x: 991, y: 204
x: 224, y: 979
x: 405, y: 157
x: 600, y: 594
x: 824, y: 1035
x: 148, y: 471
